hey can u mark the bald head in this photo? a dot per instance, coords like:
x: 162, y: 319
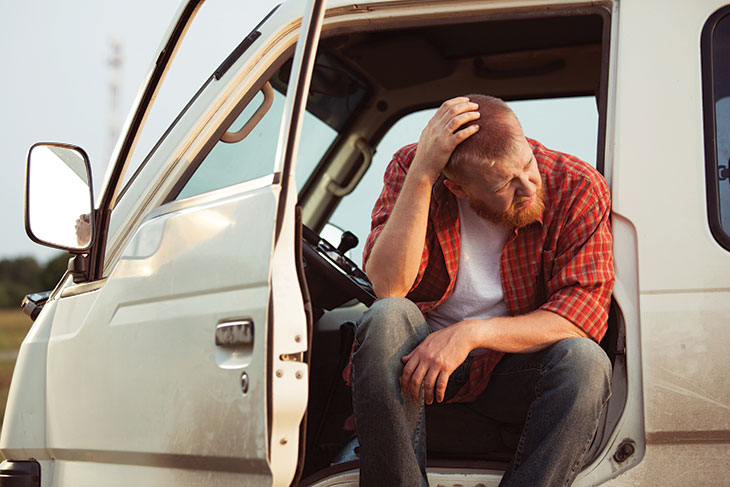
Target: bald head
x: 499, y: 131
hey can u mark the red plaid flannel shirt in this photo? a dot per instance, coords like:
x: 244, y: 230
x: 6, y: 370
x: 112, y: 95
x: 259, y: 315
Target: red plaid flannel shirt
x: 562, y: 263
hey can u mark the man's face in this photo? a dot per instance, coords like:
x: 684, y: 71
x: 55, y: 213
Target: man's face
x: 510, y: 193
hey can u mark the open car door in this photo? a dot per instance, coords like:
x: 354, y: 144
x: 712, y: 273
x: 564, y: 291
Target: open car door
x: 184, y: 365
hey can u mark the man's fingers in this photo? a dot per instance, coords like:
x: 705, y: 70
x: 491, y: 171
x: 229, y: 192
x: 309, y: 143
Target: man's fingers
x: 415, y: 382
x: 460, y: 119
x: 451, y: 103
x: 429, y: 384
x: 405, y: 378
x: 461, y: 135
x: 446, y: 119
x: 438, y: 139
x: 453, y: 108
x: 443, y: 381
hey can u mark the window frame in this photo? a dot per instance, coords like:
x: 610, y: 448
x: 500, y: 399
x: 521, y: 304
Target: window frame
x: 710, y: 128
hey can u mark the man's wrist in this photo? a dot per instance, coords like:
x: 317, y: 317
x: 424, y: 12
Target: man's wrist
x: 476, y: 333
x: 420, y: 173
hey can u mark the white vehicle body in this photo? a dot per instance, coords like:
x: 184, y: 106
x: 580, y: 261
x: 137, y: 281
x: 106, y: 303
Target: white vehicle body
x: 125, y: 379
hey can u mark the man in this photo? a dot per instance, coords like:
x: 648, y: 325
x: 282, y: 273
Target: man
x: 505, y: 248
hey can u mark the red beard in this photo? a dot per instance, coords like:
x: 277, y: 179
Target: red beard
x: 513, y: 217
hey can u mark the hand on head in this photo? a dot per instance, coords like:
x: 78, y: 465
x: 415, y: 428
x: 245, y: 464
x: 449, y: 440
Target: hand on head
x: 442, y: 134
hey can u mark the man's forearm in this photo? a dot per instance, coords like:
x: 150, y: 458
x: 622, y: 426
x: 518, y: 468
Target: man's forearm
x: 394, y: 261
x: 396, y: 256
x: 521, y: 334
x: 436, y: 357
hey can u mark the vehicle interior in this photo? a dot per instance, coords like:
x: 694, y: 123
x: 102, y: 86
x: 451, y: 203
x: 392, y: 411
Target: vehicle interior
x: 364, y: 82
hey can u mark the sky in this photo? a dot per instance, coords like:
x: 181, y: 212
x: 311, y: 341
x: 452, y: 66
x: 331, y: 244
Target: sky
x: 56, y: 85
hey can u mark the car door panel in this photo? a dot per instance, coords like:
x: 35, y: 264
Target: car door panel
x: 138, y: 382
x: 165, y: 393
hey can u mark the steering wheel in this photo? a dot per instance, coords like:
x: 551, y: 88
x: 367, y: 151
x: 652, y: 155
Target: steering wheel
x: 333, y: 279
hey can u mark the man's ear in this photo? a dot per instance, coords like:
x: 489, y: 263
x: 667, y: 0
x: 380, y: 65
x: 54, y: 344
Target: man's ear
x: 456, y: 188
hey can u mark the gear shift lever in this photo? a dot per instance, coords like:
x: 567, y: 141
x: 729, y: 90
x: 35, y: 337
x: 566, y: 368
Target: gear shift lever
x: 347, y: 242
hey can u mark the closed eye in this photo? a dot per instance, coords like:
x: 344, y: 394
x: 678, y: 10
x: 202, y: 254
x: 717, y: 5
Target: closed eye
x: 506, y: 185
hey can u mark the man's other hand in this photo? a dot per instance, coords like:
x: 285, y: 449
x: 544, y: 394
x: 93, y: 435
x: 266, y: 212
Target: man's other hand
x: 432, y: 362
x: 83, y: 230
x: 441, y: 135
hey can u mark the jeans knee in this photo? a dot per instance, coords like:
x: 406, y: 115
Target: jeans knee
x: 387, y: 331
x: 390, y: 320
x: 583, y: 368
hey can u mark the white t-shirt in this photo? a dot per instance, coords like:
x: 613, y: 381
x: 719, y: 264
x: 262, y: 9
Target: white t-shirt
x: 478, y: 289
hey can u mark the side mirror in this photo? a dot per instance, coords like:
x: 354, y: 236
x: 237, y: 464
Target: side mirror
x: 58, y: 197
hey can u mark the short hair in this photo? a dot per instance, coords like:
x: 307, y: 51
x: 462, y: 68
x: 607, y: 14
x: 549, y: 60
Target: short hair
x: 495, y: 139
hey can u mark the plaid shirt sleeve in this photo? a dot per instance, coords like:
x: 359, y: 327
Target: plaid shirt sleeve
x: 395, y: 176
x: 580, y: 284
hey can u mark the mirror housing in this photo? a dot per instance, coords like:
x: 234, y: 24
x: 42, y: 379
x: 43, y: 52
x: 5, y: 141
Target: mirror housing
x: 59, y: 203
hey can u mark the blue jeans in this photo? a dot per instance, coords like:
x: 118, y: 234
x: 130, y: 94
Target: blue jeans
x: 558, y: 393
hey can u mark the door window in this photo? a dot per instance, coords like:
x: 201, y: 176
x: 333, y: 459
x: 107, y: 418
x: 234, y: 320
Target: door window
x: 716, y: 105
x: 230, y: 163
x: 235, y: 162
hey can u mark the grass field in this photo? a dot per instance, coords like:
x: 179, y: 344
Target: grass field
x: 14, y: 325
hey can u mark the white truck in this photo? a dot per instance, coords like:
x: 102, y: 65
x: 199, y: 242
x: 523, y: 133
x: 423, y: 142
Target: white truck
x: 197, y: 338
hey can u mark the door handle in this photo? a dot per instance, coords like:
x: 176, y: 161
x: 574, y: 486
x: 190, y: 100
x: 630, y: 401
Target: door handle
x: 234, y: 334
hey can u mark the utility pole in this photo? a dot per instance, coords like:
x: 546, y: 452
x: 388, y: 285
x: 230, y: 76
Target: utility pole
x: 115, y: 63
